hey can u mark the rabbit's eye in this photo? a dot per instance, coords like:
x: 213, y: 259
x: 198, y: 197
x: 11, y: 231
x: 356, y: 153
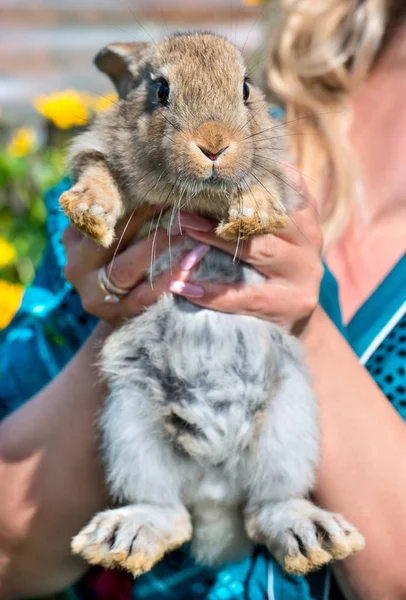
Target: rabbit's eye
x: 245, y: 90
x: 162, y: 92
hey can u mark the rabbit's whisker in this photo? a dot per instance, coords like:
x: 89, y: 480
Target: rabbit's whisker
x: 170, y: 221
x: 275, y: 174
x: 284, y: 164
x: 333, y: 112
x: 161, y: 112
x: 182, y: 194
x: 163, y: 174
x: 254, y: 22
x: 143, y: 28
x: 282, y: 208
x: 278, y: 136
x: 119, y: 242
x: 126, y: 227
x: 251, y: 117
x: 108, y: 99
x: 153, y: 248
x: 131, y: 128
x: 255, y: 66
x: 254, y: 54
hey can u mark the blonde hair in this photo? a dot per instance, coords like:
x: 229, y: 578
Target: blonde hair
x: 322, y: 50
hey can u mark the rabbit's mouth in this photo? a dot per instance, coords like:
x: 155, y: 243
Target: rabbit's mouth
x: 214, y: 180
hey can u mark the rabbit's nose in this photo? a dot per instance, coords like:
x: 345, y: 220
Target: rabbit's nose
x: 212, y: 155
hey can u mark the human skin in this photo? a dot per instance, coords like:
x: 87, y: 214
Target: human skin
x: 50, y: 475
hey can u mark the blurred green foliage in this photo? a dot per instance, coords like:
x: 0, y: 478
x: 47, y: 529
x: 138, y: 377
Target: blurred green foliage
x: 23, y: 181
x: 31, y: 162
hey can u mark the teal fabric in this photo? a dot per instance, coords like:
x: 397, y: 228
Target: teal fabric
x: 51, y: 326
x: 290, y: 587
x: 330, y: 302
x: 378, y: 310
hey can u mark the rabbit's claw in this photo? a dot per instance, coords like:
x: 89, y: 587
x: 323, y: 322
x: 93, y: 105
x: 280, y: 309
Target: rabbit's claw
x: 133, y: 538
x: 303, y: 537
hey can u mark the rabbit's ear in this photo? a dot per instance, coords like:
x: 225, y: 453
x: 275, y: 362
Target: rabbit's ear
x: 123, y: 63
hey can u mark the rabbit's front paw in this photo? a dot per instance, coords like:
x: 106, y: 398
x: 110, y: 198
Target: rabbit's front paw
x: 90, y: 212
x: 133, y: 538
x: 246, y: 222
x: 303, y: 537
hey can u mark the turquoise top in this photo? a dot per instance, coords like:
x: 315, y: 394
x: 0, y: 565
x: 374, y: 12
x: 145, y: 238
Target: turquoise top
x: 51, y: 326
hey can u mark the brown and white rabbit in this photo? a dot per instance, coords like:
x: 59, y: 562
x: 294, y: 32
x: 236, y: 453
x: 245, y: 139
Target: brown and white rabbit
x: 210, y: 428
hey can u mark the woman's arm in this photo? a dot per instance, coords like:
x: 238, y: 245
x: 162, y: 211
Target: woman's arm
x: 363, y: 466
x: 51, y: 478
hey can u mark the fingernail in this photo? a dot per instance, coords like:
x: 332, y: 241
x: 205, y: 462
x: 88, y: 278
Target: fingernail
x: 193, y: 257
x: 183, y: 288
x: 189, y: 221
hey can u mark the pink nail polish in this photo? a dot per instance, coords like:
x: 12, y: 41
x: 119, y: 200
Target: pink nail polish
x: 183, y: 288
x: 189, y: 221
x: 193, y: 257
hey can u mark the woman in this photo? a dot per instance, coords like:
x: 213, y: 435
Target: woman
x: 48, y: 456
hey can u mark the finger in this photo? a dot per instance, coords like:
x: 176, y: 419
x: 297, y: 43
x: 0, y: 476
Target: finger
x: 202, y: 229
x: 127, y: 270
x: 137, y: 300
x: 302, y: 230
x: 232, y: 298
x: 267, y: 301
x: 147, y: 293
x: 254, y: 251
x: 94, y: 255
x: 71, y: 236
x: 129, y: 267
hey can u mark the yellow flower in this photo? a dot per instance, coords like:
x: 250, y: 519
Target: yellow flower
x: 65, y: 109
x: 10, y: 300
x: 7, y: 253
x: 101, y: 103
x: 22, y: 142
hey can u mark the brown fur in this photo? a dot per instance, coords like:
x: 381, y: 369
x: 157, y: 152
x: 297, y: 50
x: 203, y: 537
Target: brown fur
x: 266, y: 217
x: 95, y: 187
x: 152, y: 151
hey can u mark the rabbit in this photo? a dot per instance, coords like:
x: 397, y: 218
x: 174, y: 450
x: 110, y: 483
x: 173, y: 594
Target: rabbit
x: 209, y: 430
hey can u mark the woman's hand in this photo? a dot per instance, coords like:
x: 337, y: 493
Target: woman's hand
x: 290, y: 260
x: 84, y: 258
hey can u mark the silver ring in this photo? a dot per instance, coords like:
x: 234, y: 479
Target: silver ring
x: 113, y: 294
